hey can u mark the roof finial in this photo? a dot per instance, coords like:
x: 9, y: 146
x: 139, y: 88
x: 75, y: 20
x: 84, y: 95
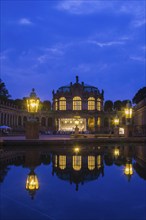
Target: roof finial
x: 77, y: 79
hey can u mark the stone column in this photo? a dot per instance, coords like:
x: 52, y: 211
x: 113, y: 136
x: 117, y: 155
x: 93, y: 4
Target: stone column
x: 32, y: 130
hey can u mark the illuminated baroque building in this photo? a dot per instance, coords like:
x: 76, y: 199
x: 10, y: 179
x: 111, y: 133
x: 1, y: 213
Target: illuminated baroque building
x: 78, y: 103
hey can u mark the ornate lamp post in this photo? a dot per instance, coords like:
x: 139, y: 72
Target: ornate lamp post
x: 32, y: 126
x: 128, y: 113
x: 32, y: 183
x: 128, y: 116
x: 116, y: 123
x: 32, y: 102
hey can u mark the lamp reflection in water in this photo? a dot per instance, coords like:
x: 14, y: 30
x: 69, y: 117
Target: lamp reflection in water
x: 32, y: 183
x: 116, y: 152
x: 76, y: 149
x: 128, y: 170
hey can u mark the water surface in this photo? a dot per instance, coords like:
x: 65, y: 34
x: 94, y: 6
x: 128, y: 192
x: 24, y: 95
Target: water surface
x: 88, y: 182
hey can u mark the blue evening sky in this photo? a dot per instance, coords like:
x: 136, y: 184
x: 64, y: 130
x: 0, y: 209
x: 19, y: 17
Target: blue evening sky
x: 45, y: 44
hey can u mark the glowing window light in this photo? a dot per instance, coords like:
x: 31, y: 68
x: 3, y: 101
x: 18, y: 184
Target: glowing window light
x: 62, y: 103
x: 77, y: 103
x: 56, y: 104
x: 91, y: 162
x: 98, y: 161
x: 99, y: 104
x: 91, y: 103
x: 77, y: 163
x: 62, y: 162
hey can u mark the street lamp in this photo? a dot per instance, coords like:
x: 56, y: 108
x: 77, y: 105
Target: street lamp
x: 116, y: 121
x: 128, y: 111
x: 32, y: 126
x: 32, y: 183
x: 128, y: 116
x: 32, y: 102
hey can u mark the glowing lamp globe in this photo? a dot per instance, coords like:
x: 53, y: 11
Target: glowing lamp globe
x: 76, y: 150
x: 128, y: 170
x: 76, y: 122
x: 116, y: 152
x: 33, y: 102
x: 116, y: 121
x: 128, y: 110
x: 32, y: 183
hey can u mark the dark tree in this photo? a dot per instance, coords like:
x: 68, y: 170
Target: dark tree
x: 20, y: 103
x: 118, y: 105
x: 108, y: 106
x: 124, y: 102
x: 46, y: 105
x: 4, y: 94
x: 139, y: 96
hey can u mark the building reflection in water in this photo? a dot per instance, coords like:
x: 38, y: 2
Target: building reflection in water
x: 76, y: 165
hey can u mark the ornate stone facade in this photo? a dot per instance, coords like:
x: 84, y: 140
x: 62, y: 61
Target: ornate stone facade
x: 75, y: 105
x: 140, y: 118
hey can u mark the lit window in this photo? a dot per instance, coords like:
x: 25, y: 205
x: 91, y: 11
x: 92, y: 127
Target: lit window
x: 91, y: 162
x: 99, y: 104
x: 91, y: 123
x: 77, y: 103
x: 98, y: 161
x: 77, y: 163
x: 62, y: 162
x: 62, y: 103
x: 56, y: 104
x: 55, y: 161
x: 121, y: 130
x: 91, y: 103
x: 98, y: 121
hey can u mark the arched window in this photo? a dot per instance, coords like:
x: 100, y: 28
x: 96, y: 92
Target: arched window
x: 62, y: 162
x: 77, y: 163
x: 91, y: 103
x: 99, y: 104
x: 99, y: 122
x: 106, y: 122
x: 98, y: 161
x: 91, y: 162
x: 77, y: 103
x: 91, y: 123
x: 50, y: 122
x: 19, y: 120
x: 62, y: 103
x: 56, y: 104
x: 24, y: 120
x: 43, y: 121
